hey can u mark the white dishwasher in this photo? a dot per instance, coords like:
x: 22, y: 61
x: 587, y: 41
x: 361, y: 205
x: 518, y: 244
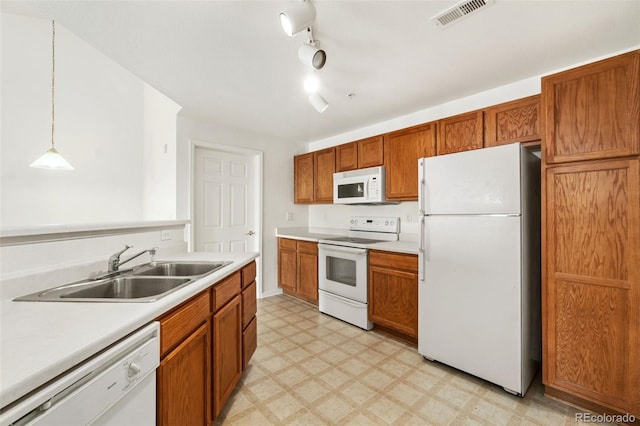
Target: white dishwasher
x: 115, y: 387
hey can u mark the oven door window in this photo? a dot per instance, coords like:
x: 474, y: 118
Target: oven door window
x: 341, y: 270
x: 351, y: 190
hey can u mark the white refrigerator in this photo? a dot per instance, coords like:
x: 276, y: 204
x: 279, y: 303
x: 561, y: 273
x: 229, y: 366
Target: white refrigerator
x: 479, y: 263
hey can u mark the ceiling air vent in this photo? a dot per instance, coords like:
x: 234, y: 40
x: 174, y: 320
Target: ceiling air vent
x: 459, y: 11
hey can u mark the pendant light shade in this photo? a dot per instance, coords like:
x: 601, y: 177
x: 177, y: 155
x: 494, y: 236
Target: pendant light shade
x: 52, y: 158
x: 318, y: 102
x: 298, y: 17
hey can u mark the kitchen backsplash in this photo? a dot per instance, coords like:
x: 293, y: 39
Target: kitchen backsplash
x: 337, y: 216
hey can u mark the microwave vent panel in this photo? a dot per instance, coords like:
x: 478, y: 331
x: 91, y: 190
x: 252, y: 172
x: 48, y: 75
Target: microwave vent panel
x: 459, y: 11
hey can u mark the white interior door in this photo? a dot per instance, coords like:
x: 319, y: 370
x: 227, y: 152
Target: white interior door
x: 225, y: 210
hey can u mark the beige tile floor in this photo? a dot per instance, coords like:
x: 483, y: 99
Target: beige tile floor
x: 311, y: 369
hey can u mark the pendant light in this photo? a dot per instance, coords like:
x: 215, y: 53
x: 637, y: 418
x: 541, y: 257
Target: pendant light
x: 52, y: 158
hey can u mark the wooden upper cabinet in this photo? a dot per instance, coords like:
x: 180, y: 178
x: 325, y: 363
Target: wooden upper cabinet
x: 591, y: 112
x: 402, y: 149
x: 303, y: 178
x: 324, y: 165
x: 515, y: 121
x: 370, y: 152
x: 360, y: 154
x: 347, y: 157
x: 460, y: 133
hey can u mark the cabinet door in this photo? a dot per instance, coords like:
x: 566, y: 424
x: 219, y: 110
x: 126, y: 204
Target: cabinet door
x: 249, y: 342
x: 308, y: 276
x: 303, y: 178
x: 347, y: 157
x: 227, y: 352
x: 183, y: 382
x: 287, y: 271
x: 515, y: 121
x: 402, y: 149
x: 462, y: 132
x: 591, y: 290
x: 370, y: 152
x: 249, y: 306
x: 393, y: 291
x: 324, y: 163
x: 592, y: 111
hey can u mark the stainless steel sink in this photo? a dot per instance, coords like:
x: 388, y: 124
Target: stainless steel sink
x: 144, y: 283
x: 119, y: 289
x: 178, y: 269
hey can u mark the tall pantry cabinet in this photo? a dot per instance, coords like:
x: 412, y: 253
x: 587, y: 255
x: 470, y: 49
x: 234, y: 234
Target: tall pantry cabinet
x: 591, y: 235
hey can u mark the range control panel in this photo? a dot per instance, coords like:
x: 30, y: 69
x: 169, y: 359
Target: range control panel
x: 375, y: 224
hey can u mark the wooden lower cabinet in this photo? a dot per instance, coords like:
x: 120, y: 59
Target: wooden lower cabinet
x: 591, y: 286
x: 205, y: 344
x: 393, y: 292
x: 183, y: 397
x: 227, y: 352
x: 183, y: 377
x: 298, y: 268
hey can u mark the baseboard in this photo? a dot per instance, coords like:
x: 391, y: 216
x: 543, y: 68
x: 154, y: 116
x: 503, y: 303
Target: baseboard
x: 269, y: 293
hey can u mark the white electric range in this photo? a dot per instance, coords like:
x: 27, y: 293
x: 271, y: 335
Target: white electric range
x: 343, y: 290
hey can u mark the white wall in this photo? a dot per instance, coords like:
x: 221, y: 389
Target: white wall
x: 160, y: 132
x: 100, y: 130
x: 278, y: 183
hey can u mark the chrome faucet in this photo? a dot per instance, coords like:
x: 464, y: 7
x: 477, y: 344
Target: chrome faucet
x: 114, y: 260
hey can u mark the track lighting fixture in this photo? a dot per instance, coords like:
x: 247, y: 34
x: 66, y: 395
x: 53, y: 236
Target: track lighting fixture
x: 318, y: 102
x: 298, y: 17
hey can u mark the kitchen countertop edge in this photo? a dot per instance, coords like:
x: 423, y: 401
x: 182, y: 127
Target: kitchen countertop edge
x: 33, y: 352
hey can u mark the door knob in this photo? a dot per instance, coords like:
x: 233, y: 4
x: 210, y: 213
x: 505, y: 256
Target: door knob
x: 250, y: 233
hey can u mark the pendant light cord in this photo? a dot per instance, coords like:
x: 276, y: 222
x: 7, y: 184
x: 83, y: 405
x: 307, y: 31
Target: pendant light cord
x: 53, y: 80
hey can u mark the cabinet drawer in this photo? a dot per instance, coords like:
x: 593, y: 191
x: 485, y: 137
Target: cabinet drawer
x: 249, y: 342
x: 308, y: 247
x: 181, y: 322
x: 248, y: 274
x: 287, y: 244
x: 249, y: 305
x: 407, y: 262
x: 224, y: 291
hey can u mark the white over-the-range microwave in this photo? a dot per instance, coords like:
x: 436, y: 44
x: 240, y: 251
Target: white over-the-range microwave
x: 362, y: 186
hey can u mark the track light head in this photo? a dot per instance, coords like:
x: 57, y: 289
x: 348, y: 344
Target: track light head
x: 312, y: 56
x: 298, y: 17
x: 318, y: 102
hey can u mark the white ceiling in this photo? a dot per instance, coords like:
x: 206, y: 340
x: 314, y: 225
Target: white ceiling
x: 230, y: 62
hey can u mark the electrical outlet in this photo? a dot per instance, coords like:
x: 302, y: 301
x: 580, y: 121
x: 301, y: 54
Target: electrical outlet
x: 408, y: 218
x: 165, y: 235
x: 289, y: 216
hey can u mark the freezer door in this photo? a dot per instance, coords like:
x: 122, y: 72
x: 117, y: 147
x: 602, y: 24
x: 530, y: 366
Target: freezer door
x: 479, y: 181
x: 470, y: 300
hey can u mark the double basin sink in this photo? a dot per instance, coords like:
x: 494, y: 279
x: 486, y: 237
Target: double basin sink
x: 144, y: 283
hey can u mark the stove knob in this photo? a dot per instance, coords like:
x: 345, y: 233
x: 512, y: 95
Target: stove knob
x: 386, y: 222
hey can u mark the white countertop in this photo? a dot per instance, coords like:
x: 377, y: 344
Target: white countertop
x: 41, y: 340
x: 409, y: 246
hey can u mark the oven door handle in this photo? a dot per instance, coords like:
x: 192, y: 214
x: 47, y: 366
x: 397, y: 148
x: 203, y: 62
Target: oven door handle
x: 351, y: 250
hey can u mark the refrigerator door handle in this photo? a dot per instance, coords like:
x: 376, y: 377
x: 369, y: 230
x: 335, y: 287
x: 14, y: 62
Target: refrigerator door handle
x: 421, y: 238
x: 421, y: 185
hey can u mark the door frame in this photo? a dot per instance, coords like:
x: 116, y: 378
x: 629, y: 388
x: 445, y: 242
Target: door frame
x: 259, y: 157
